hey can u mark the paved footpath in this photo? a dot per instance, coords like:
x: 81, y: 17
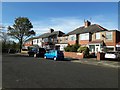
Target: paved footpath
x: 92, y: 61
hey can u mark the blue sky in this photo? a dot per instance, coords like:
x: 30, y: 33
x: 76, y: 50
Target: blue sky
x: 64, y: 16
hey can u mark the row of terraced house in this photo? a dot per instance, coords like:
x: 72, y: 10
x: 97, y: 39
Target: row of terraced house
x: 94, y: 36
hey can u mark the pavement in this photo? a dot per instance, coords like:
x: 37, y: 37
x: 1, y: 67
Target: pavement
x: 91, y: 61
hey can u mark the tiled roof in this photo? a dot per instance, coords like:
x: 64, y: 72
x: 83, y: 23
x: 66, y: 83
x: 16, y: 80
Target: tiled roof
x: 92, y: 29
x: 45, y: 35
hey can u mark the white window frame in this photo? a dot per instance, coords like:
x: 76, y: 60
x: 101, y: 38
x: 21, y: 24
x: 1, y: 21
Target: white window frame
x: 85, y: 36
x: 35, y: 41
x: 45, y: 39
x: 109, y: 33
x: 72, y: 36
x: 97, y: 35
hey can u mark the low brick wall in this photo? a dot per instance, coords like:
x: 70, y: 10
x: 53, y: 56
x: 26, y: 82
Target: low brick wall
x: 100, y: 56
x: 74, y: 55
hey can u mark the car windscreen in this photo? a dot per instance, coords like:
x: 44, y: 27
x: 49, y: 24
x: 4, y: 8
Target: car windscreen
x: 59, y: 52
x: 110, y: 52
x: 41, y: 49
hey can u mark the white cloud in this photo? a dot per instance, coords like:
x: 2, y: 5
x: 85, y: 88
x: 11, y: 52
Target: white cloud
x: 67, y: 24
x: 64, y: 24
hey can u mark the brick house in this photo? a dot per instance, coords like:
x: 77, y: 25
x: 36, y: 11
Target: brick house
x: 62, y: 42
x: 105, y: 41
x: 95, y: 37
x: 83, y: 35
x: 28, y: 43
x: 46, y: 40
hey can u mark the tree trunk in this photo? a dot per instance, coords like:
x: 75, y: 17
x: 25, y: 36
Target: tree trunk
x: 20, y: 45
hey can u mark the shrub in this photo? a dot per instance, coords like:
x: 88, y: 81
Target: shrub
x: 72, y: 48
x: 84, y: 50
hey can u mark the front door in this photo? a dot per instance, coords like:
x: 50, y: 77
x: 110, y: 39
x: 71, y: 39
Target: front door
x: 97, y: 48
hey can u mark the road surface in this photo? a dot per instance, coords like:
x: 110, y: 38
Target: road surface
x: 29, y: 72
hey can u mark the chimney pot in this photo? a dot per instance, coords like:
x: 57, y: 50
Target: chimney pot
x: 87, y: 23
x: 51, y: 30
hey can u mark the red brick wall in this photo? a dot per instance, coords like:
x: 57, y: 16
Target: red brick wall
x: 28, y: 44
x: 111, y: 42
x: 100, y: 56
x: 74, y: 55
x: 72, y: 42
x: 81, y: 42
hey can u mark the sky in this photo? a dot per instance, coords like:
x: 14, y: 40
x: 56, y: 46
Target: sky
x: 63, y: 16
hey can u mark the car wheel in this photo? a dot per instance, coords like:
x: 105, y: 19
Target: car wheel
x: 45, y: 57
x: 55, y: 58
x: 32, y: 55
x: 35, y: 55
x: 29, y: 55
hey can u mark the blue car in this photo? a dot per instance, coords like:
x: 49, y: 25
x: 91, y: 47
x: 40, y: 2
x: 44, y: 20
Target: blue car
x: 54, y: 54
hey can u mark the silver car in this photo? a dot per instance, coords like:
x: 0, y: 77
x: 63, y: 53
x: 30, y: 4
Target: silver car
x: 113, y: 55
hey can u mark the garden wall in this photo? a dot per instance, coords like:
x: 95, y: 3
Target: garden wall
x: 74, y: 55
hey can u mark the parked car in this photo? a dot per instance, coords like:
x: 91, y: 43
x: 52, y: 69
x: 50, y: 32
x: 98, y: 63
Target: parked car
x: 41, y: 52
x: 37, y: 52
x: 113, y: 55
x: 32, y: 52
x: 24, y: 51
x: 54, y: 54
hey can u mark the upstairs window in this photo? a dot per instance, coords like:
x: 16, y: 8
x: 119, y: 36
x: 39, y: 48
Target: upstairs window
x: 45, y: 39
x: 35, y: 41
x: 72, y: 37
x: 60, y: 40
x: 84, y: 36
x: 39, y: 40
x: 66, y: 39
x: 97, y: 35
x: 109, y: 35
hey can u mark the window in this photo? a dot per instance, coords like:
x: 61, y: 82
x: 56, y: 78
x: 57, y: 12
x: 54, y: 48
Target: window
x: 84, y: 36
x: 97, y: 35
x: 60, y: 40
x: 108, y: 49
x: 109, y: 35
x: 45, y: 40
x: 66, y: 39
x: 39, y: 40
x: 35, y: 41
x: 72, y: 37
x: 92, y: 48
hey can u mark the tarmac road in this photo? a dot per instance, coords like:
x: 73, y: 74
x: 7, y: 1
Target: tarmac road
x: 29, y: 72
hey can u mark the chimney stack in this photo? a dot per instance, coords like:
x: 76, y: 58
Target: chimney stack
x: 87, y: 23
x: 51, y: 30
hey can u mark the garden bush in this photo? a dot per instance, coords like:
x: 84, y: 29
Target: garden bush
x: 84, y: 50
x: 72, y: 48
